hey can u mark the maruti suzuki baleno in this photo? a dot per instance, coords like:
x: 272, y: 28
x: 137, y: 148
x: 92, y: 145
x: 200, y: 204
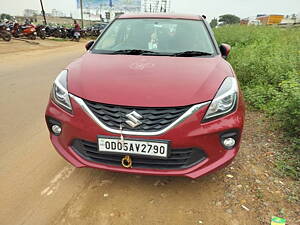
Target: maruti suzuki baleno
x: 153, y: 95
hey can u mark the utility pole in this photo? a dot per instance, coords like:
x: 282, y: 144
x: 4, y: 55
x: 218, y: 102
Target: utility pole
x: 81, y: 9
x: 43, y: 12
x: 101, y: 19
x: 110, y: 8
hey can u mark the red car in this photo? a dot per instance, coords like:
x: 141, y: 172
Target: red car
x: 152, y: 95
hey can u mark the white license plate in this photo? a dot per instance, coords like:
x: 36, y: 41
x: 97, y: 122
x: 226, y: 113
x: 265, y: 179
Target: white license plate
x: 155, y: 148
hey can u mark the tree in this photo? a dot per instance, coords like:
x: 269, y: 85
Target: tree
x: 5, y: 16
x: 214, y: 22
x: 229, y: 19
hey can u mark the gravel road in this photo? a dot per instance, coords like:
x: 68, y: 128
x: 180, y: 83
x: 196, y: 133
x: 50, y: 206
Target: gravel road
x: 38, y: 187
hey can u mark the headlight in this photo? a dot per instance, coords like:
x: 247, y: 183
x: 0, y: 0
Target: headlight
x: 225, y: 100
x: 60, y: 94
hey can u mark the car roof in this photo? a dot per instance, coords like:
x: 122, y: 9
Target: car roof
x: 161, y: 16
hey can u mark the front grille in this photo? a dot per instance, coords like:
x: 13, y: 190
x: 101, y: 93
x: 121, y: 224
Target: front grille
x: 154, y: 119
x: 178, y: 159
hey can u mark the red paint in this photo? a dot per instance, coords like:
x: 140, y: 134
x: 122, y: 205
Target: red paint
x: 189, y: 133
x: 150, y: 81
x: 142, y: 80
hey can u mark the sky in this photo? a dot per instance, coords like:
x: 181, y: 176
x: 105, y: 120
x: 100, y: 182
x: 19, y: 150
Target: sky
x: 210, y: 8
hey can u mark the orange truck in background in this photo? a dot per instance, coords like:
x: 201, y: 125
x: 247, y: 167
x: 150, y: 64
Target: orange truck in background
x: 270, y: 19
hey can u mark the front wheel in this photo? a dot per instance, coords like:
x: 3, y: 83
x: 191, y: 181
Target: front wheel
x: 6, y: 37
x: 42, y: 36
x: 32, y: 36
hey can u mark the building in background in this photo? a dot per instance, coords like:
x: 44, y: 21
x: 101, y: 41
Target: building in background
x: 252, y: 20
x: 30, y: 12
x: 291, y: 19
x: 106, y: 10
x: 244, y: 21
x: 57, y: 13
x: 156, y: 6
x: 119, y: 5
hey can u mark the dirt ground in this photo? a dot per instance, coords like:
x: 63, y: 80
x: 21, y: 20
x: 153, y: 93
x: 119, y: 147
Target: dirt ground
x: 39, y: 187
x: 19, y: 46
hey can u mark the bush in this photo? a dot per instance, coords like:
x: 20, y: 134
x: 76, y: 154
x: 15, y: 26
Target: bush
x: 267, y: 63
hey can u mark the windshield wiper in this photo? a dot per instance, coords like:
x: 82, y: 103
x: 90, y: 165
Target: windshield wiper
x: 191, y: 53
x: 133, y: 52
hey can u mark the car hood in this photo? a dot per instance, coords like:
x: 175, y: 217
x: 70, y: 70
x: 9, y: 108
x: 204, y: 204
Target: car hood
x: 152, y: 81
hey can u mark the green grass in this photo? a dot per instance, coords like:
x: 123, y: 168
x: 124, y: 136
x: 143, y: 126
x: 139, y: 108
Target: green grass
x: 267, y: 63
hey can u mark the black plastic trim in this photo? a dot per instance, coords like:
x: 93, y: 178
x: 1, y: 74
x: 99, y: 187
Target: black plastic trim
x: 230, y: 133
x: 178, y: 159
x: 50, y: 122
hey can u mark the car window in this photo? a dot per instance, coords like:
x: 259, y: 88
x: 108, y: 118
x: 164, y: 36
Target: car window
x: 158, y: 35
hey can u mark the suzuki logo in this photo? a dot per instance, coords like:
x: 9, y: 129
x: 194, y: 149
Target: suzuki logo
x: 134, y: 119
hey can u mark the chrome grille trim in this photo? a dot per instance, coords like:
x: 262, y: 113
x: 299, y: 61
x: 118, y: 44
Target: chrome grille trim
x: 187, y: 114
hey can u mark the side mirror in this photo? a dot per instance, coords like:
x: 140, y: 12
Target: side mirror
x: 225, y: 50
x: 89, y: 45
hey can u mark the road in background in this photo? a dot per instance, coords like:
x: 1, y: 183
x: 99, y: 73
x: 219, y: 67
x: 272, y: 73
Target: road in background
x: 38, y: 187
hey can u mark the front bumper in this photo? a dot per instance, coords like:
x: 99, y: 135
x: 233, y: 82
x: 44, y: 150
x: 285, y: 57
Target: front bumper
x: 191, y: 133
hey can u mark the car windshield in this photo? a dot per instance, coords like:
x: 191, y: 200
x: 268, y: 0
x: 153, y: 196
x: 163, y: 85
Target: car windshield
x: 156, y: 36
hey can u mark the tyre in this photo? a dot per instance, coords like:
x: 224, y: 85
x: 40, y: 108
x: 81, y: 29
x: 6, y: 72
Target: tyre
x: 64, y: 35
x: 32, y: 37
x: 56, y: 34
x: 6, y: 37
x: 42, y: 36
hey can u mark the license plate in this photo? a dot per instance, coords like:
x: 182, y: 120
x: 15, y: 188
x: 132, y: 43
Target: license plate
x: 151, y: 148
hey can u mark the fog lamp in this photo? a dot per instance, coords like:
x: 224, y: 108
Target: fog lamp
x: 229, y: 142
x: 56, y: 129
